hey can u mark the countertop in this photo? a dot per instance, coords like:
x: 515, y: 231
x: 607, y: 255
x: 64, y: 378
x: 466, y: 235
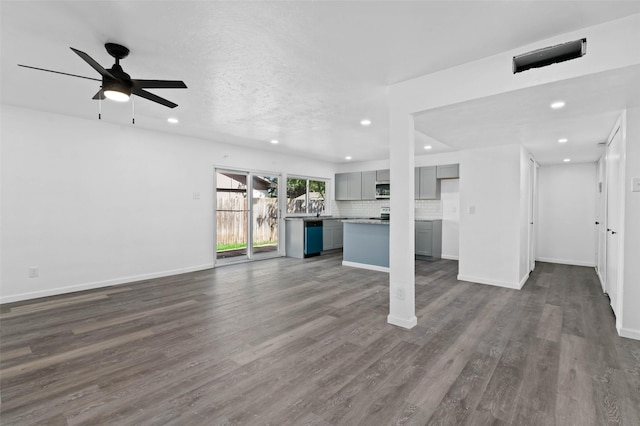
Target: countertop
x: 313, y: 218
x: 349, y: 219
x: 367, y: 221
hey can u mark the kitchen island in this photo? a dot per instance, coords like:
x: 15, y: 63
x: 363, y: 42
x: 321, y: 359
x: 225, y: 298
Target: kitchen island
x: 366, y: 244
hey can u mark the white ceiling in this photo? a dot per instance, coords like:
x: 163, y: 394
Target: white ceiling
x: 306, y: 73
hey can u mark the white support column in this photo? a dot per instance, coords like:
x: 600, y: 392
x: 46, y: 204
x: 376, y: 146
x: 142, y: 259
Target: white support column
x: 402, y: 224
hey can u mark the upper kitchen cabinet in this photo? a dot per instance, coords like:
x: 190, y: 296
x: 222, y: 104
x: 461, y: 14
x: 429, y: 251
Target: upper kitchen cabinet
x: 448, y: 171
x: 349, y: 186
x: 369, y: 185
x: 427, y: 185
x: 383, y: 175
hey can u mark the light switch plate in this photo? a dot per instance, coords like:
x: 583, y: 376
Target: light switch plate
x: 635, y: 184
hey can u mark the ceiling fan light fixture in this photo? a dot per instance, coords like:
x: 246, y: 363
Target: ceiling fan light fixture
x: 116, y: 91
x: 114, y: 95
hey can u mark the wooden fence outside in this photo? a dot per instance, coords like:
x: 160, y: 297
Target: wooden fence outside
x: 232, y: 220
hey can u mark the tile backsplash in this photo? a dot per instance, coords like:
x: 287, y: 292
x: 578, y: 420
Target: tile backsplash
x: 425, y: 209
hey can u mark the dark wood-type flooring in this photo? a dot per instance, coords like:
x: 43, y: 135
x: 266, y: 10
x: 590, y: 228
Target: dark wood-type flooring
x: 305, y: 342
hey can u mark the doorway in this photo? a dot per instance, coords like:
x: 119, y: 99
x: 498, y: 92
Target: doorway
x: 247, y: 216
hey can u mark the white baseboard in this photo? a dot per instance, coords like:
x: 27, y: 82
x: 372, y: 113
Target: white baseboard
x: 601, y: 280
x: 629, y: 333
x: 565, y: 261
x: 365, y: 266
x: 505, y: 284
x: 99, y: 284
x: 450, y: 257
x: 400, y: 322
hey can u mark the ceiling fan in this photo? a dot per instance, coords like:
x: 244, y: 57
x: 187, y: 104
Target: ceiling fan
x: 117, y: 85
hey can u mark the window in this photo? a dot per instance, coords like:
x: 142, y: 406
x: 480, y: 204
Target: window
x: 305, y: 196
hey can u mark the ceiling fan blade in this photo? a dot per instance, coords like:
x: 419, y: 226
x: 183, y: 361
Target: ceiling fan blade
x: 96, y: 66
x: 99, y: 95
x: 159, y: 84
x: 59, y: 72
x: 152, y: 97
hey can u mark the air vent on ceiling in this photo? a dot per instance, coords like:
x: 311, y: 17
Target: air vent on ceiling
x: 550, y: 55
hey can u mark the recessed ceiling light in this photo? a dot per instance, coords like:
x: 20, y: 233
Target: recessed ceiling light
x: 566, y: 160
x: 172, y: 120
x: 365, y: 122
x: 348, y: 157
x: 274, y: 141
x: 563, y: 140
x: 428, y: 147
x: 557, y: 104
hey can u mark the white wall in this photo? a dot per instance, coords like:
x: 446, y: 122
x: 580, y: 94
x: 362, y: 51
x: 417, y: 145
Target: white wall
x: 630, y: 324
x: 566, y: 214
x: 525, y: 195
x: 490, y: 246
x: 93, y: 204
x: 450, y: 194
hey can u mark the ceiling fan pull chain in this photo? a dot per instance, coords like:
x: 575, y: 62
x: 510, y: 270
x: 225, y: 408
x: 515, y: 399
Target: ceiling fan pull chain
x: 133, y: 111
x: 99, y: 108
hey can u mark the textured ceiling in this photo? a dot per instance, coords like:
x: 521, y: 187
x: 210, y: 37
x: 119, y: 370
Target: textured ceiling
x: 304, y: 73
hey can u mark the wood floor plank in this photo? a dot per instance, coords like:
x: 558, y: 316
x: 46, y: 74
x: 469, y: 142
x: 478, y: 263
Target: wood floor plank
x: 574, y: 401
x: 305, y: 341
x: 551, y: 323
x: 38, y: 364
x: 96, y: 325
x: 15, y: 353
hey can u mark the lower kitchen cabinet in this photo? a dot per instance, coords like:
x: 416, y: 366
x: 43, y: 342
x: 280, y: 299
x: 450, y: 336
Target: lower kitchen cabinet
x: 428, y: 238
x: 332, y: 234
x: 294, y: 238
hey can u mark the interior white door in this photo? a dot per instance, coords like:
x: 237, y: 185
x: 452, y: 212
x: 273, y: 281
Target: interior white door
x: 613, y: 197
x: 600, y: 224
x: 532, y: 214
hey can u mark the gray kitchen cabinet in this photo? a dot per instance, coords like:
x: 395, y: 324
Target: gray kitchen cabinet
x: 427, y: 185
x: 383, y: 175
x: 349, y: 186
x: 368, y: 185
x: 428, y: 238
x: 448, y: 171
x: 332, y: 234
x: 294, y: 238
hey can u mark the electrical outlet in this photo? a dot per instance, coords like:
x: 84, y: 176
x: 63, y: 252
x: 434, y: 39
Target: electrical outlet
x: 400, y: 294
x: 196, y: 195
x: 34, y: 272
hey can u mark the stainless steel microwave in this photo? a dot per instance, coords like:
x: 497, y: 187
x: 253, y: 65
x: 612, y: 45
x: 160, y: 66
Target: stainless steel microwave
x: 382, y: 190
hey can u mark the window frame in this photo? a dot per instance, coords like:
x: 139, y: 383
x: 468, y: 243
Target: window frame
x: 326, y: 206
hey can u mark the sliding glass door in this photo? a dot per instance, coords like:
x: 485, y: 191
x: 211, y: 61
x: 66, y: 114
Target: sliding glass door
x: 247, y: 216
x: 264, y: 212
x: 232, y: 215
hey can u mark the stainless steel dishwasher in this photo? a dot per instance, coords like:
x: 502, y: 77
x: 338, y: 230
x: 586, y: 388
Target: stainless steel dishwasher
x: 312, y: 238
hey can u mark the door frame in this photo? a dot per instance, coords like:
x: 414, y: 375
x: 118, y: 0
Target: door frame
x: 532, y: 211
x: 250, y: 256
x: 616, y: 305
x: 601, y: 222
